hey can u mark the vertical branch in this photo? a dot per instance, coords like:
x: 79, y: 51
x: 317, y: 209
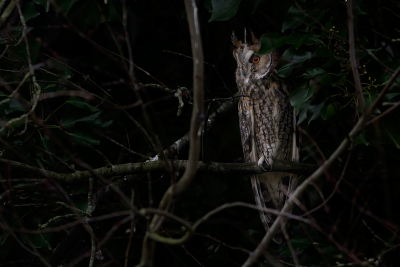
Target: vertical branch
x: 132, y: 230
x: 197, y: 113
x: 353, y: 59
x: 198, y: 97
x: 128, y: 42
x: 194, y: 134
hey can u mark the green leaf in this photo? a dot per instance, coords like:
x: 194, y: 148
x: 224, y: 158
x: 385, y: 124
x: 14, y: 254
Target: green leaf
x: 80, y: 103
x: 330, y: 110
x: 391, y: 131
x: 113, y: 12
x: 101, y: 122
x: 69, y: 120
x: 53, y: 88
x: 310, y: 73
x: 254, y: 4
x: 13, y: 105
x: 389, y: 96
x: 303, y: 111
x: 291, y: 59
x: 298, y: 39
x: 370, y: 97
x: 332, y: 79
x: 29, y: 11
x: 360, y: 139
x: 38, y: 241
x: 93, y: 13
x: 64, y: 5
x: 383, y: 56
x: 82, y: 137
x: 300, y: 95
x: 45, y: 143
x: 44, y: 3
x: 270, y: 42
x: 299, y: 245
x: 359, y: 11
x: 224, y: 9
x: 306, y: 15
x: 313, y: 41
x: 314, y: 111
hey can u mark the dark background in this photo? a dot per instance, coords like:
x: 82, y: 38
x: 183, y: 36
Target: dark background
x: 84, y: 42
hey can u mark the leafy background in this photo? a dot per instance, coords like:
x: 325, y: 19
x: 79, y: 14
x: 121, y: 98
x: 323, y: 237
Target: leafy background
x: 84, y: 43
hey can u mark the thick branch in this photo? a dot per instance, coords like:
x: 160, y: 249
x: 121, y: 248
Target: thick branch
x: 181, y: 166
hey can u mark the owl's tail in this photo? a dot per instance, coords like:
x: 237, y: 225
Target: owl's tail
x: 271, y: 191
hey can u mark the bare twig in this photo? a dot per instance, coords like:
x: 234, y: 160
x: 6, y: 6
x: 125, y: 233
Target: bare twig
x: 58, y: 158
x: 198, y: 109
x: 124, y: 147
x: 108, y: 163
x: 353, y: 59
x: 195, y: 127
x: 131, y: 230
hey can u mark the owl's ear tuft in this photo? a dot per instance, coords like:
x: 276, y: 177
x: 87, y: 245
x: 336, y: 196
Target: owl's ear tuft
x: 254, y: 39
x: 235, y: 40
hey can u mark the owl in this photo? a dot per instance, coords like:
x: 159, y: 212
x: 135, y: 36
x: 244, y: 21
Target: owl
x: 267, y: 125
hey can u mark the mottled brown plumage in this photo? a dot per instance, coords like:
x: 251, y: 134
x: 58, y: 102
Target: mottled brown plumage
x: 267, y: 124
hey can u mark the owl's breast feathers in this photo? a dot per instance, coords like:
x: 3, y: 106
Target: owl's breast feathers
x: 266, y: 123
x: 265, y: 109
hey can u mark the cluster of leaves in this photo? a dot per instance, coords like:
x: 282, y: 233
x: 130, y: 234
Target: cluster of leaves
x: 78, y: 52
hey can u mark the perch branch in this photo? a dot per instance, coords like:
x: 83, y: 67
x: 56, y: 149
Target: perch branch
x: 180, y: 166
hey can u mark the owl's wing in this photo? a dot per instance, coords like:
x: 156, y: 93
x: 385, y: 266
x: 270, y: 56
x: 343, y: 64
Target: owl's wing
x: 271, y: 189
x: 247, y: 120
x: 245, y: 128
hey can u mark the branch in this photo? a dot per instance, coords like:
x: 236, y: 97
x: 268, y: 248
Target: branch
x: 194, y: 134
x: 353, y: 59
x: 180, y: 166
x: 197, y: 114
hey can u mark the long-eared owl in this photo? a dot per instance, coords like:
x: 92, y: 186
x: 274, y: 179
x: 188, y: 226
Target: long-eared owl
x: 267, y: 124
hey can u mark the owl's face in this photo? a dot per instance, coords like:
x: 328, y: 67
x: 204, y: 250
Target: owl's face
x: 249, y: 65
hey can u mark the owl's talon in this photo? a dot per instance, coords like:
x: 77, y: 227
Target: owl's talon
x: 260, y: 163
x: 269, y: 161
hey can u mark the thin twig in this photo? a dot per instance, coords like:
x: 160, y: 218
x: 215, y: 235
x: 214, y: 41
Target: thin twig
x: 108, y: 163
x: 353, y: 59
x: 58, y: 158
x: 124, y: 147
x: 131, y: 230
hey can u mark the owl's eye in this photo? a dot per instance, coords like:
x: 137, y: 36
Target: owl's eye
x: 255, y: 59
